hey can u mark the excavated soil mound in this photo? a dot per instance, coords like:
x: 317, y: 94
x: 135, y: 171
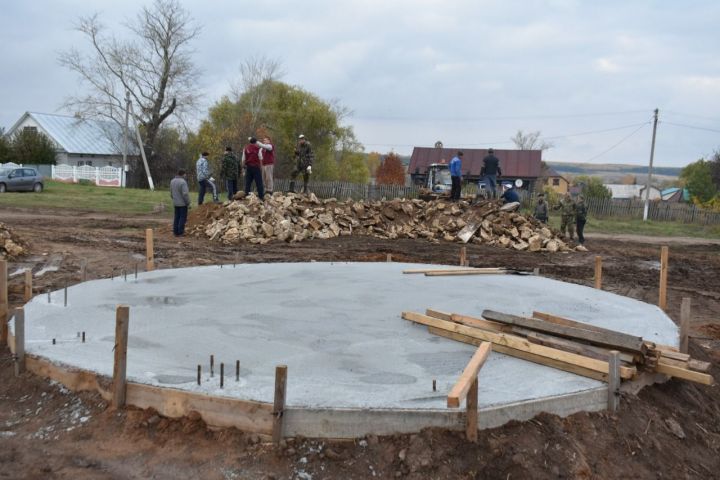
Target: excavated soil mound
x: 294, y: 218
x: 11, y: 246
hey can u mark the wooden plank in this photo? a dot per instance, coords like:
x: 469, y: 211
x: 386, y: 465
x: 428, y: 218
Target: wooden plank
x: 19, y: 331
x: 678, y: 372
x: 471, y: 412
x: 684, y: 324
x: 439, y: 314
x: 149, y: 250
x: 598, y: 272
x: 615, y: 340
x: 480, y: 323
x: 27, y: 293
x: 664, y: 254
x: 575, y: 347
x: 460, y: 390
x: 674, y: 355
x: 569, y: 323
x: 73, y: 379
x: 476, y: 271
x: 4, y: 306
x: 119, y: 388
x: 279, y: 403
x: 468, y: 269
x: 530, y: 357
x: 614, y: 381
x: 699, y: 365
x: 517, y: 343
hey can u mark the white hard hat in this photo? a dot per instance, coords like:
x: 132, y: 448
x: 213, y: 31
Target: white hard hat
x: 301, y: 136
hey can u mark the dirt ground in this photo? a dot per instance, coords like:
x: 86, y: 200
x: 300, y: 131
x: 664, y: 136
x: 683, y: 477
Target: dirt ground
x: 668, y: 431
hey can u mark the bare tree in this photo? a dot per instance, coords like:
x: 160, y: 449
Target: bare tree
x: 256, y: 75
x: 154, y: 66
x: 530, y: 141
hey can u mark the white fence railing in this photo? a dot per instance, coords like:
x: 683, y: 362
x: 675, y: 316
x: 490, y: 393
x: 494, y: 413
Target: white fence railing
x: 101, y: 176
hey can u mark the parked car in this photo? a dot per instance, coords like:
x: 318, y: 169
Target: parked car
x: 20, y: 179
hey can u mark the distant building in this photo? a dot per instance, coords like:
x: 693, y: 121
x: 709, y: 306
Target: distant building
x: 675, y: 194
x: 622, y: 191
x: 555, y: 181
x: 79, y: 141
x: 515, y: 164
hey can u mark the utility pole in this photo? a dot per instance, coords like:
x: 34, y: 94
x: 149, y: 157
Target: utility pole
x: 123, y: 181
x: 142, y: 152
x: 650, y: 170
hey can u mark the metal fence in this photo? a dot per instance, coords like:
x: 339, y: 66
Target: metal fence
x: 658, y: 210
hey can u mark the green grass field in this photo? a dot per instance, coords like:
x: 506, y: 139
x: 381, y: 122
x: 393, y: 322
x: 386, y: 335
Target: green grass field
x: 89, y: 198
x: 649, y: 228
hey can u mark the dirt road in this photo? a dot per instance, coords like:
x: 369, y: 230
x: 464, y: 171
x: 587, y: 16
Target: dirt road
x: 670, y: 430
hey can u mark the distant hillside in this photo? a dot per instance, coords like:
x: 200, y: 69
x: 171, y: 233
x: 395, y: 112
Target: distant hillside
x: 613, y: 172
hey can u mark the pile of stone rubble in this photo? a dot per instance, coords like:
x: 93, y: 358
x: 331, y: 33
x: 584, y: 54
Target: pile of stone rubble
x: 11, y: 246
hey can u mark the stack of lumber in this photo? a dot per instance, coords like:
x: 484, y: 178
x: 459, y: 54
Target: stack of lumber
x: 564, y: 344
x: 293, y: 218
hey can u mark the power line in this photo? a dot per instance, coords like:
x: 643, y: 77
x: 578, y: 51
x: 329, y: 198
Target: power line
x: 618, y: 143
x: 498, y: 117
x: 694, y: 127
x: 704, y: 117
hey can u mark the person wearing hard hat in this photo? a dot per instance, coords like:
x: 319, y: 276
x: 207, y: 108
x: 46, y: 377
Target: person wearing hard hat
x: 303, y: 163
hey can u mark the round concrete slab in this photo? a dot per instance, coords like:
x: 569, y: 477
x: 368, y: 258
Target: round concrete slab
x: 336, y: 325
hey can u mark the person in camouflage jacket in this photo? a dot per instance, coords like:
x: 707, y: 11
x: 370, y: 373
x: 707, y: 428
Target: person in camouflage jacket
x: 567, y: 216
x: 580, y: 218
x: 230, y: 171
x: 304, y: 157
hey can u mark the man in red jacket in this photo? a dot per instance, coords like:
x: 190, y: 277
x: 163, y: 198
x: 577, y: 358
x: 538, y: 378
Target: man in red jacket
x: 253, y: 166
x: 268, y: 162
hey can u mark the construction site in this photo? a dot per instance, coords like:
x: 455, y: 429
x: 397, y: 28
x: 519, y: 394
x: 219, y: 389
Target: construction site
x: 308, y: 338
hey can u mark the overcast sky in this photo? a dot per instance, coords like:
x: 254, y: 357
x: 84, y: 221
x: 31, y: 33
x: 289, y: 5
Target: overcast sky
x: 468, y: 73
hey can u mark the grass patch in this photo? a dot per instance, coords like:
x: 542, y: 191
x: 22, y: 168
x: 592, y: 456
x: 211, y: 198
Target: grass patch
x: 90, y: 198
x: 649, y: 228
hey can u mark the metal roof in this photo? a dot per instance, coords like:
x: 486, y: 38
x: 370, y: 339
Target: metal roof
x: 81, y: 135
x: 513, y: 163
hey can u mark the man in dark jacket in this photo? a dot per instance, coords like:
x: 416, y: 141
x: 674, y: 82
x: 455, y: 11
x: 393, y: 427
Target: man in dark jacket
x: 541, y: 209
x: 180, y: 195
x: 304, y: 157
x: 490, y: 171
x: 229, y: 171
x: 580, y: 218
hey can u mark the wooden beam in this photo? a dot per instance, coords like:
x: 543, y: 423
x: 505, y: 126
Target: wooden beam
x: 530, y: 357
x: 279, y: 403
x: 149, y: 250
x: 468, y: 269
x: 517, y: 343
x: 699, y: 365
x: 614, y: 381
x: 3, y: 302
x: 664, y: 254
x: 471, y: 412
x: 19, y: 341
x: 678, y: 372
x: 439, y: 314
x: 119, y: 385
x: 684, y: 324
x: 463, y: 255
x: 477, y: 271
x: 672, y: 354
x: 460, y: 390
x: 598, y: 272
x: 569, y: 323
x: 27, y: 294
x: 617, y: 340
x: 575, y: 347
x: 480, y: 323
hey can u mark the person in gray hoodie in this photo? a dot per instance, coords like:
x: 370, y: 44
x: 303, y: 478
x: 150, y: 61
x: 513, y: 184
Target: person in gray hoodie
x: 180, y: 195
x: 205, y: 179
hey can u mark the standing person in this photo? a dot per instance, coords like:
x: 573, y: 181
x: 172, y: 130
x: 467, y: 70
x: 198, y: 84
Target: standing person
x: 541, y: 209
x: 567, y: 216
x: 303, y: 163
x: 205, y: 179
x: 490, y: 171
x: 253, y: 167
x: 180, y: 194
x: 229, y: 172
x: 580, y: 218
x: 456, y: 176
x: 268, y: 162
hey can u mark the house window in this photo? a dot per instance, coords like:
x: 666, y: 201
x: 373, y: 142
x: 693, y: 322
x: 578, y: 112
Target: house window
x: 80, y: 163
x: 30, y: 129
x: 556, y: 182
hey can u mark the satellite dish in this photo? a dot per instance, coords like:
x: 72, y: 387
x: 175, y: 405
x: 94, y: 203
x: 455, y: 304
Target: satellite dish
x: 518, y: 183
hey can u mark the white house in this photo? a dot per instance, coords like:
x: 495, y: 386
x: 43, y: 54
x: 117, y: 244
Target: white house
x: 631, y: 191
x: 79, y: 141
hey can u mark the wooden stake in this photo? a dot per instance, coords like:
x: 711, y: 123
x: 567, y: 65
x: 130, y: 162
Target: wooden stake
x: 536, y: 271
x: 461, y: 388
x: 65, y: 297
x: 212, y: 365
x: 434, y: 385
x: 471, y: 427
x: 463, y: 255
x: 28, y: 286
x: 136, y: 267
x: 222, y: 374
x: 664, y: 254
x: 122, y: 322
x: 684, y: 324
x: 389, y: 257
x: 199, y: 374
x: 237, y: 370
x: 48, y: 292
x: 598, y: 272
x: 83, y: 337
x: 149, y: 251
x: 279, y: 403
x: 614, y: 381
x: 3, y: 302
x: 19, y: 341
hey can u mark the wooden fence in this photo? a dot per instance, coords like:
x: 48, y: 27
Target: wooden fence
x: 658, y: 210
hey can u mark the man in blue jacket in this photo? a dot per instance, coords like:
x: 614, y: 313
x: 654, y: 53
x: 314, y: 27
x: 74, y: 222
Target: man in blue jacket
x: 456, y: 176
